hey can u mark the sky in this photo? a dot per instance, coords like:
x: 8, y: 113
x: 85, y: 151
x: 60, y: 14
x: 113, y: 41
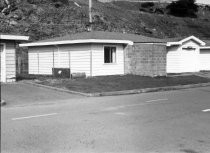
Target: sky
x: 203, y: 1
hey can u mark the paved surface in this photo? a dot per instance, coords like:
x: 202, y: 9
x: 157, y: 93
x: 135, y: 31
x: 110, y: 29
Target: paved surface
x: 162, y: 122
x: 26, y: 94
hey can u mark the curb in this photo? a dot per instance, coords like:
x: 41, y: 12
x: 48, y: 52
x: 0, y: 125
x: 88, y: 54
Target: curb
x: 58, y: 89
x: 124, y: 92
x: 3, y: 103
x: 146, y: 90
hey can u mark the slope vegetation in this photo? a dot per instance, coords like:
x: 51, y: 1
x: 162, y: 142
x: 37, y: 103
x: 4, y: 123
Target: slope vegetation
x: 42, y: 19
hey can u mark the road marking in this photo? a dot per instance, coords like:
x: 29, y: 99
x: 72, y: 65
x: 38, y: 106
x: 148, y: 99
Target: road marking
x: 120, y: 113
x: 206, y: 110
x: 35, y: 116
x: 141, y: 104
x: 156, y: 100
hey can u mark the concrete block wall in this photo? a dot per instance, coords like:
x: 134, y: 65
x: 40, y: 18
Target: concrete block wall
x: 145, y: 59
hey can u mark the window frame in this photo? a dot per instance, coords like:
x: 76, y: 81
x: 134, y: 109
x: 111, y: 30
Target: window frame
x: 115, y: 61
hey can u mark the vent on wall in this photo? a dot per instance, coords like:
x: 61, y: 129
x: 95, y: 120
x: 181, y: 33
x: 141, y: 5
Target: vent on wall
x: 189, y: 48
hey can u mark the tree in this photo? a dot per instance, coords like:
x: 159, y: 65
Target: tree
x: 183, y: 8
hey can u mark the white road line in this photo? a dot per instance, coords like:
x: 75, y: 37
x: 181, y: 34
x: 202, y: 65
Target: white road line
x: 206, y: 110
x: 119, y: 113
x: 156, y: 100
x: 35, y: 116
x: 139, y: 104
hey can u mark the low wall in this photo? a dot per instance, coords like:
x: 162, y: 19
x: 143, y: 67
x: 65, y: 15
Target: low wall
x: 145, y: 59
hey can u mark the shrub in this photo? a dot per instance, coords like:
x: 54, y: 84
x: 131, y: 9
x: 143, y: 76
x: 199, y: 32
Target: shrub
x: 183, y: 8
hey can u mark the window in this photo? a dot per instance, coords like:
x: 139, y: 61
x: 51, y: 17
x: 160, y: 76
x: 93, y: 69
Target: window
x: 109, y: 54
x: 1, y: 47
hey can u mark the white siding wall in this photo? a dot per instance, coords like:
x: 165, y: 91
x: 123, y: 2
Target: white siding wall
x: 80, y: 62
x: 10, y: 61
x: 173, y: 60
x: 78, y: 57
x: 33, y: 62
x: 46, y: 62
x: 181, y: 60
x: 205, y: 59
x: 101, y: 68
x: 43, y: 59
x: 3, y: 61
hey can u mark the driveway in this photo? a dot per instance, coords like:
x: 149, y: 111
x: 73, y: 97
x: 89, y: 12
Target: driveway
x: 26, y: 94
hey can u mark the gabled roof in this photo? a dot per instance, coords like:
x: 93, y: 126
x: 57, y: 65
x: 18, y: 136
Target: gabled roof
x: 96, y: 37
x: 207, y: 42
x: 180, y: 42
x: 13, y: 37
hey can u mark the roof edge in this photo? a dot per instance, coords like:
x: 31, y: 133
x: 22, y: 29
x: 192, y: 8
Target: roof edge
x: 76, y: 42
x: 14, y: 37
x: 202, y: 43
x: 205, y: 47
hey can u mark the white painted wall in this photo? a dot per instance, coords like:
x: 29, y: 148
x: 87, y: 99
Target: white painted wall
x: 88, y: 58
x: 100, y: 68
x: 205, y: 59
x: 46, y: 62
x: 33, y: 62
x: 41, y: 60
x: 180, y: 60
x: 8, y: 61
x: 3, y: 62
x: 80, y: 62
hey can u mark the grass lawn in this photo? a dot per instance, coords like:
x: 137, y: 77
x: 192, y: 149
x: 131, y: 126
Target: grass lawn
x: 119, y: 83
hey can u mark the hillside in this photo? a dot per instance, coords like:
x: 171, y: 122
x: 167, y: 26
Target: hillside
x: 42, y: 19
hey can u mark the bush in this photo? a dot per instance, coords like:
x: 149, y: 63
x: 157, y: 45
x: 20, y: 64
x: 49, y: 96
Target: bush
x: 147, y: 4
x: 183, y: 8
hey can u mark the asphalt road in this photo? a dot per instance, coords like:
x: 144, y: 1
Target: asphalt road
x: 162, y: 122
x: 16, y: 94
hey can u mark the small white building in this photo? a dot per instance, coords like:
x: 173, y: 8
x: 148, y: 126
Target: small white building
x: 91, y: 53
x: 8, y: 56
x: 94, y: 53
x: 187, y: 55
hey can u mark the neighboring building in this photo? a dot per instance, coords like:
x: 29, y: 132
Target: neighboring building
x: 8, y: 56
x: 98, y: 53
x: 187, y: 55
x: 205, y: 56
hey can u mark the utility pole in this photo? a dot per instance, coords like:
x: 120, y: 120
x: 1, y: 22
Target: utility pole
x: 90, y: 15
